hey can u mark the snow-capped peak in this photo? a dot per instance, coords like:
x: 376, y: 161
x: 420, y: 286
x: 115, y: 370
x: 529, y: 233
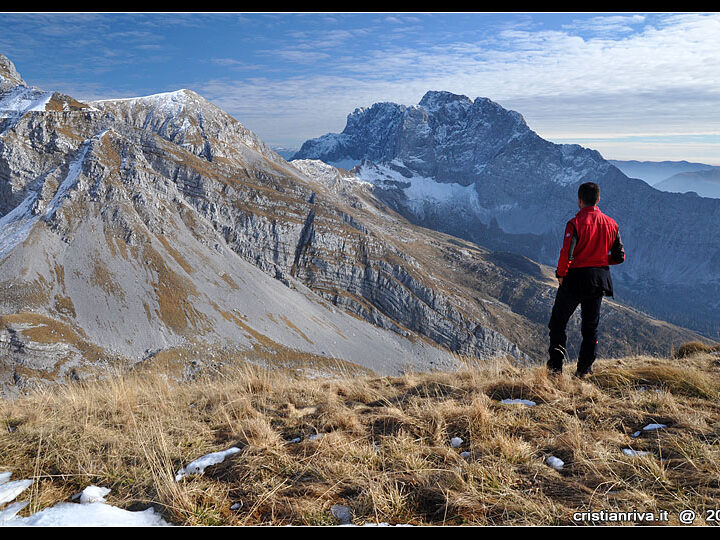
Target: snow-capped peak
x: 434, y: 100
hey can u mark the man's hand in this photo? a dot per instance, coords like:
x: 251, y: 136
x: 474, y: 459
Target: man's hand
x: 559, y: 280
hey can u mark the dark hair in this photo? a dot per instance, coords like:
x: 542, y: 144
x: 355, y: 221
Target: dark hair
x: 589, y: 193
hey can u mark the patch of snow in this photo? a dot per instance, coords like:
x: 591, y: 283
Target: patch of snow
x: 10, y: 490
x: 198, y: 466
x: 636, y: 434
x: 519, y: 402
x: 70, y: 180
x: 315, y: 437
x: 465, y: 454
x: 164, y: 99
x: 20, y: 100
x: 634, y: 453
x: 93, y: 494
x: 91, y: 512
x: 324, y: 173
x: 16, y: 224
x: 653, y: 427
x: 11, y: 510
x: 96, y: 514
x: 555, y: 462
x: 420, y: 190
x: 455, y: 442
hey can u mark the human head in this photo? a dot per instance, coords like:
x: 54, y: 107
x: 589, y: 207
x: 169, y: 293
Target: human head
x: 588, y: 194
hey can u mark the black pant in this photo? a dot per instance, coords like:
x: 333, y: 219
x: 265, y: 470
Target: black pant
x: 566, y: 301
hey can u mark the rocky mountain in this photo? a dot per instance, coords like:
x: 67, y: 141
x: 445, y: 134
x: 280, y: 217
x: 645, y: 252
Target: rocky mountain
x: 475, y: 170
x: 705, y: 183
x: 159, y: 229
x: 654, y: 172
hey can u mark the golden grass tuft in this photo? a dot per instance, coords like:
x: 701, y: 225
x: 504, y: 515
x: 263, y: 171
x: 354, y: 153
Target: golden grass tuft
x: 692, y: 348
x: 384, y: 443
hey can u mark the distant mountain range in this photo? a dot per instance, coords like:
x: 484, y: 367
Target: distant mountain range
x: 705, y: 183
x: 690, y: 176
x: 475, y: 170
x: 159, y: 229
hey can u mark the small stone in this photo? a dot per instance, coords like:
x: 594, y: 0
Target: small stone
x: 342, y: 513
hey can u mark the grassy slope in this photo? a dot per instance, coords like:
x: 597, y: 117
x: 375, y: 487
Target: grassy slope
x: 385, y: 451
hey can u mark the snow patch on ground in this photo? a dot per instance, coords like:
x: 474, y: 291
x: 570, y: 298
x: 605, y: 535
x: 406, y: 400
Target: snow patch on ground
x: 93, y: 494
x: 634, y: 453
x: 91, y: 512
x: 97, y: 514
x: 199, y: 465
x: 519, y: 402
x: 10, y: 490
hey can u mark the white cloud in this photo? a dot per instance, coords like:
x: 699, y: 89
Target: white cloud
x: 609, y: 24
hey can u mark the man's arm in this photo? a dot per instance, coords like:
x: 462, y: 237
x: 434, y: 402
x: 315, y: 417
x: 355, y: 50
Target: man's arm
x: 617, y: 251
x: 566, y: 256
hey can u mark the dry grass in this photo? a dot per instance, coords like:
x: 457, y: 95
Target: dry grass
x: 384, y: 450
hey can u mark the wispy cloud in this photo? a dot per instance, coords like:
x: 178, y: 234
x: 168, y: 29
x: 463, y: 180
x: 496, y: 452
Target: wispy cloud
x: 607, y: 25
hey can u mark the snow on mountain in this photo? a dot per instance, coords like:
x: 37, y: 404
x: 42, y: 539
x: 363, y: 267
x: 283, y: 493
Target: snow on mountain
x: 327, y: 174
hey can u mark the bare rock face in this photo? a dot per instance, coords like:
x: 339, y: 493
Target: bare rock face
x: 159, y: 229
x: 475, y: 170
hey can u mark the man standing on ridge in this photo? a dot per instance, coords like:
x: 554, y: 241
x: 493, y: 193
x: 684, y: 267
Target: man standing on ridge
x: 592, y: 243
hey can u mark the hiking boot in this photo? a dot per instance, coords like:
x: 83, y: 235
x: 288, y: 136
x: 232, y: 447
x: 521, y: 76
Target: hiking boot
x: 581, y: 374
x: 558, y: 357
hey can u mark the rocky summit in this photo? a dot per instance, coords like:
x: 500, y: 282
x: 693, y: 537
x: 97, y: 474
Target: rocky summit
x: 477, y: 171
x: 159, y: 229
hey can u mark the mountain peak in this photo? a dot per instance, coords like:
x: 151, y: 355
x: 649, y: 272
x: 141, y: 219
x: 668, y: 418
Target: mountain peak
x: 434, y: 99
x: 9, y: 76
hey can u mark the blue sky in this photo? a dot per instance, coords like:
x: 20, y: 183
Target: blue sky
x: 631, y: 85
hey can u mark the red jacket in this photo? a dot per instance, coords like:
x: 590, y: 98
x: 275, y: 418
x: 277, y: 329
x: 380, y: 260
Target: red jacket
x: 592, y: 239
